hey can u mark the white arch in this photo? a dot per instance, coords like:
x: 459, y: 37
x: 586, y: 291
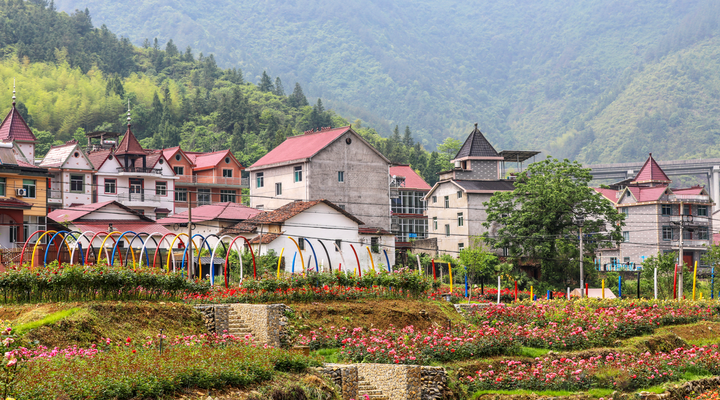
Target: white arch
x: 77, y: 242
x: 341, y: 256
x: 147, y: 239
x: 212, y: 259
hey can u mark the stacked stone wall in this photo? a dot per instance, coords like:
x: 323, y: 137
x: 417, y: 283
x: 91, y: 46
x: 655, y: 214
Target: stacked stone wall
x: 345, y: 376
x: 397, y: 382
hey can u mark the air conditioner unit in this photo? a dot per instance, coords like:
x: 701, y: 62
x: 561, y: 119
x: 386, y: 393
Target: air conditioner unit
x: 21, y: 192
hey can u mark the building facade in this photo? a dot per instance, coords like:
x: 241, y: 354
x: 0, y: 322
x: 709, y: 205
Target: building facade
x: 655, y: 213
x: 333, y: 164
x: 71, y: 176
x: 407, y: 205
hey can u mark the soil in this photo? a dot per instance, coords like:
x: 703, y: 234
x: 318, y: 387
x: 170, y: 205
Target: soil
x: 701, y: 330
x: 379, y: 314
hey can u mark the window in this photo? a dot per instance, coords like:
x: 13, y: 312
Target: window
x: 625, y: 210
x: 341, y: 176
x: 703, y: 233
x: 375, y: 244
x: 461, y: 246
x: 613, y: 260
x: 447, y: 229
x: 179, y: 170
x: 297, y: 172
x: 259, y: 180
x: 161, y: 188
x: 459, y: 194
x: 181, y: 194
x: 227, y: 173
x: 160, y: 215
x: 203, y: 197
x: 626, y: 260
x: 447, y: 201
x: 29, y: 186
x: 666, y: 209
x: 228, y: 196
x: 110, y: 186
x: 342, y: 206
x: 460, y: 219
x: 434, y: 199
x: 687, y: 210
x: 626, y: 236
x: 338, y: 244
x: 434, y: 223
x: 260, y: 207
x: 301, y: 243
x: 408, y: 202
x: 278, y: 189
x: 77, y: 183
x: 13, y: 233
x: 667, y: 233
x: 3, y: 183
x: 702, y: 211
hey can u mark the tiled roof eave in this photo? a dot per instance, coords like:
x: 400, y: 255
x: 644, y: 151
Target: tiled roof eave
x: 279, y: 164
x: 650, y: 181
x: 480, y: 158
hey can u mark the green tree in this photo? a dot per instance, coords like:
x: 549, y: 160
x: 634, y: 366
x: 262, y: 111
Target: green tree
x: 265, y: 84
x: 539, y: 219
x: 279, y: 90
x: 665, y: 264
x: 479, y: 261
x: 297, y: 99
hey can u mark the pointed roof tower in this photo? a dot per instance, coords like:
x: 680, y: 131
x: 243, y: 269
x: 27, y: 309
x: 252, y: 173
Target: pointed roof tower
x: 476, y: 147
x: 129, y: 144
x: 651, y: 173
x: 14, y: 126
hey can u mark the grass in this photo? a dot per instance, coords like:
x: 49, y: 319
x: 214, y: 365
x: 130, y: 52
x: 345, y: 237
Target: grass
x: 532, y: 352
x: 329, y: 355
x: 50, y: 319
x: 598, y: 393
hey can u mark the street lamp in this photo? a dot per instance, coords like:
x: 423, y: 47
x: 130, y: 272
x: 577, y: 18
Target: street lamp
x: 579, y: 221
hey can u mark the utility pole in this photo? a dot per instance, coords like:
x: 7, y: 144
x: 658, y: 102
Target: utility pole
x: 188, y: 248
x: 582, y: 273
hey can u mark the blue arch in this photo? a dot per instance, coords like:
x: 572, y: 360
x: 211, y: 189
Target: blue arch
x: 292, y: 271
x: 182, y: 268
x: 64, y: 242
x: 50, y: 242
x: 317, y: 268
x: 112, y: 257
x: 137, y: 235
x: 388, y: 260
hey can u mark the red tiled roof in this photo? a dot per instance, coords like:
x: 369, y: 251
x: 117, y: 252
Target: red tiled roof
x: 14, y: 127
x: 265, y: 238
x: 643, y: 194
x: 651, y: 172
x: 412, y: 179
x: 13, y: 203
x: 121, y: 226
x: 242, y: 227
x: 69, y: 215
x: 371, y: 230
x: 225, y: 211
x: 691, y: 190
x: 97, y: 158
x: 57, y: 155
x: 608, y: 194
x: 300, y: 147
x: 205, y: 161
x: 130, y: 145
x: 290, y: 210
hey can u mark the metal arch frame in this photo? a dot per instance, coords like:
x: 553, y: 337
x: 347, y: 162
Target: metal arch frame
x: 22, y: 253
x: 77, y: 244
x: 279, y: 261
x: 197, y: 253
x: 212, y: 259
x: 142, y: 250
x: 164, y: 238
x: 147, y: 258
x: 372, y: 261
x: 177, y: 236
x: 387, y: 259
x: 64, y: 242
x: 317, y: 269
x: 90, y: 246
x: 301, y: 257
x: 356, y: 259
x: 327, y: 254
x: 293, y: 263
x: 342, y: 257
x: 122, y: 235
x: 52, y: 240
x: 205, y: 241
x: 227, y: 258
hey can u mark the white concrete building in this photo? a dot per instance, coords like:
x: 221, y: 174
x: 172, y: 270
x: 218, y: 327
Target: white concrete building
x: 71, y: 176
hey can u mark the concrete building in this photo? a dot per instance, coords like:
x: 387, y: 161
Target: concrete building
x: 321, y: 223
x: 71, y: 176
x: 654, y: 214
x: 333, y: 164
x: 408, y: 189
x: 455, y: 207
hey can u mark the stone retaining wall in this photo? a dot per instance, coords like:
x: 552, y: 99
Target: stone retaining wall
x: 345, y: 376
x: 433, y: 383
x: 266, y: 321
x: 679, y: 392
x: 215, y: 316
x: 397, y: 382
x: 467, y: 307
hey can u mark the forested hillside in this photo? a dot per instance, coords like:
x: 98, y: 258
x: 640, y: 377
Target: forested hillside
x: 534, y: 74
x: 72, y: 78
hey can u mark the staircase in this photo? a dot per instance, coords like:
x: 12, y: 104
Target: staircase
x: 367, y: 389
x: 237, y: 327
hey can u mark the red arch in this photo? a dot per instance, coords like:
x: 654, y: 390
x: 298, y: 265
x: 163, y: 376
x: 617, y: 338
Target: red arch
x: 227, y: 257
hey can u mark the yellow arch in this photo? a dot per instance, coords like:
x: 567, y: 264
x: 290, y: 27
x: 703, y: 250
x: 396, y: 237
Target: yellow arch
x: 372, y: 262
x: 279, y: 260
x: 167, y: 263
x: 301, y: 256
x: 451, y: 281
x: 32, y: 260
x: 102, y: 246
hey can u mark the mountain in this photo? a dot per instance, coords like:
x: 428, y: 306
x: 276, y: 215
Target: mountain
x: 534, y: 74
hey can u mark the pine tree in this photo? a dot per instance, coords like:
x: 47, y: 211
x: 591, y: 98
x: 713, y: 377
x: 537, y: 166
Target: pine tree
x: 297, y: 99
x: 265, y: 84
x: 279, y: 90
x: 171, y: 49
x: 407, y: 139
x: 188, y: 55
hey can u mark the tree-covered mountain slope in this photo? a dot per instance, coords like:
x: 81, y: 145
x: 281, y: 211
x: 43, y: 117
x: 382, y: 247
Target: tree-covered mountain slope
x: 533, y: 74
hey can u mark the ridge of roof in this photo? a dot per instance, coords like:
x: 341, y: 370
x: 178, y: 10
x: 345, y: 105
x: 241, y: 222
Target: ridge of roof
x: 476, y: 145
x: 130, y: 145
x: 412, y: 179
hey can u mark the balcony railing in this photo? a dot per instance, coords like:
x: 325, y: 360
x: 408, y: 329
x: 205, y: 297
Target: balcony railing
x: 55, y: 194
x: 699, y: 198
x: 692, y: 243
x: 138, y: 198
x: 214, y: 180
x: 695, y: 220
x: 140, y: 170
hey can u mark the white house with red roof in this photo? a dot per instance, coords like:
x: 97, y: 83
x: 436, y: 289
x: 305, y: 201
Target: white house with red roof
x: 210, y: 219
x: 408, y: 206
x: 71, y: 176
x: 334, y: 164
x: 654, y: 213
x: 137, y: 178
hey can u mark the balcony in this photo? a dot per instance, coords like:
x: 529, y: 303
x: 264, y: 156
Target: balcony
x: 140, y: 170
x: 213, y: 180
x: 55, y: 196
x: 694, y: 221
x: 139, y: 199
x: 690, y: 198
x: 687, y: 243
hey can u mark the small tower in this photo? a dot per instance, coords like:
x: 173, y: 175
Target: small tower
x: 15, y: 129
x: 129, y: 151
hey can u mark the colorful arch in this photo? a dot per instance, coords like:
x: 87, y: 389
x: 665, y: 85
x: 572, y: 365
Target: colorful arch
x: 32, y: 261
x: 227, y: 257
x: 317, y: 269
x: 388, y: 260
x: 372, y: 262
x: 326, y: 254
x: 212, y: 260
x: 147, y: 258
x: 301, y: 257
x: 22, y: 252
x: 77, y: 244
x: 122, y: 235
x: 173, y: 243
x: 197, y: 253
x: 356, y: 259
x: 279, y: 262
x: 342, y: 257
x: 64, y: 243
x: 52, y: 240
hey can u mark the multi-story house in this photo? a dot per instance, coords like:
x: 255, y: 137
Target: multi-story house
x: 655, y: 213
x: 206, y: 178
x: 455, y: 207
x: 333, y: 164
x: 71, y: 176
x: 407, y: 190
x: 137, y: 178
x: 23, y: 196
